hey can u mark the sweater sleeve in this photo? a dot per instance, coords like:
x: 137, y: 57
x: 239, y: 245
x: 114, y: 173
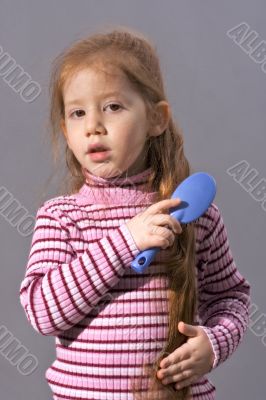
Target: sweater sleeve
x: 224, y: 297
x: 60, y: 288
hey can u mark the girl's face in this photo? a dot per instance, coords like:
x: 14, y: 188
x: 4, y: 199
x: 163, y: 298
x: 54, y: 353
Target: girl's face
x: 105, y: 108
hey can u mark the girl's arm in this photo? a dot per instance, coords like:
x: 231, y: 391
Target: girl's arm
x: 59, y: 288
x: 224, y: 294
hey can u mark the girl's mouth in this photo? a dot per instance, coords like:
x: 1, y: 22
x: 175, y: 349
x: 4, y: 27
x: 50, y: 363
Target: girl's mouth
x: 99, y: 155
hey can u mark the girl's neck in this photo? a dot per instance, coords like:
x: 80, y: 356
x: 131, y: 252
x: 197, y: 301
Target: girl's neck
x: 117, y: 190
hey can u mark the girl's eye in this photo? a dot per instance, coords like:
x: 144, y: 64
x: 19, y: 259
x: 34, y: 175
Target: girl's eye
x: 78, y: 113
x: 114, y: 106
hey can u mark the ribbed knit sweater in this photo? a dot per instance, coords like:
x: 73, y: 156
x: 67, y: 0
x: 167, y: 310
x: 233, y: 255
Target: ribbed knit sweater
x: 106, y: 318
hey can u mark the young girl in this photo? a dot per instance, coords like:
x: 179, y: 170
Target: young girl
x: 121, y: 335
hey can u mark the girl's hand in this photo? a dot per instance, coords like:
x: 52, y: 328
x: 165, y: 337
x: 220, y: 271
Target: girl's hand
x: 153, y: 227
x: 190, y: 361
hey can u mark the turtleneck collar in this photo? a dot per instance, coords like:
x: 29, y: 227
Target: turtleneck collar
x: 117, y: 190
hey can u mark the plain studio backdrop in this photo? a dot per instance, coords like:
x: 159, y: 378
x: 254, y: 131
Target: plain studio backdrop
x: 216, y: 88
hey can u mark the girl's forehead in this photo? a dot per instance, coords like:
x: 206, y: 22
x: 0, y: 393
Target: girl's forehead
x: 104, y: 77
x: 101, y: 73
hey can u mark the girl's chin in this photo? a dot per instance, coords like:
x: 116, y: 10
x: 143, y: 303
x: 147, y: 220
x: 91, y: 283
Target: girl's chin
x: 106, y: 170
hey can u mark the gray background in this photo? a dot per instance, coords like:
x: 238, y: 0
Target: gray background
x: 217, y: 93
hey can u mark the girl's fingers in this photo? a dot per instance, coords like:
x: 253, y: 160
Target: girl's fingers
x: 149, y: 222
x: 176, y: 369
x: 182, y: 378
x: 186, y: 382
x: 167, y: 221
x: 164, y: 205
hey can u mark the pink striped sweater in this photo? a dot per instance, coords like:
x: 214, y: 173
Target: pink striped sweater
x: 107, y: 320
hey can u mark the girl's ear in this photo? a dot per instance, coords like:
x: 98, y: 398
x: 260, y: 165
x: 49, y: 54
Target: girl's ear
x: 162, y: 115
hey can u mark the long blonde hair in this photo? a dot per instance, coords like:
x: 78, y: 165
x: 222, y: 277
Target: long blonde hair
x: 135, y: 56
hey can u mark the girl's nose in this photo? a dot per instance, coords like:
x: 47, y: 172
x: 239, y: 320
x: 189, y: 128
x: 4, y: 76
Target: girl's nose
x: 94, y: 123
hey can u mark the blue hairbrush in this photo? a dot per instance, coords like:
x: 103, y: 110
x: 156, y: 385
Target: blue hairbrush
x: 197, y: 193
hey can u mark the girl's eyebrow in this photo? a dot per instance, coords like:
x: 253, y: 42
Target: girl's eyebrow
x: 107, y: 94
